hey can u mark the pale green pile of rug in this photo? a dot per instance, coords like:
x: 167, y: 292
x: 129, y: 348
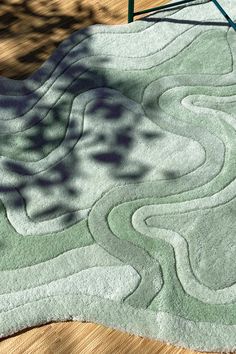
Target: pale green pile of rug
x: 117, y: 182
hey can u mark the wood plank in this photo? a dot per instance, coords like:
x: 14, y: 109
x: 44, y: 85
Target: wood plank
x: 83, y: 338
x: 31, y: 30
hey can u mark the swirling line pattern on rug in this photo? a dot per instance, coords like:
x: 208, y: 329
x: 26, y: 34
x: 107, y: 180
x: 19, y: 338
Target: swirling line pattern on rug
x: 143, y: 248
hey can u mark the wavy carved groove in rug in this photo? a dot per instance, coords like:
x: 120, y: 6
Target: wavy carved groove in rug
x: 118, y: 182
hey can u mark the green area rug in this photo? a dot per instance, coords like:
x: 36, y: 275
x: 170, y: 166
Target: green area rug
x: 117, y: 189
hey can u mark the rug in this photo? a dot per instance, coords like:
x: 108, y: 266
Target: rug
x: 118, y: 182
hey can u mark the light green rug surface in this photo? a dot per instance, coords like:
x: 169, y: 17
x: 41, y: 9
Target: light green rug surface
x: 117, y: 189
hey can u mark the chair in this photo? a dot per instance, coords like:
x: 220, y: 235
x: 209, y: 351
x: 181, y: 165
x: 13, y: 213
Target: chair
x: 132, y: 13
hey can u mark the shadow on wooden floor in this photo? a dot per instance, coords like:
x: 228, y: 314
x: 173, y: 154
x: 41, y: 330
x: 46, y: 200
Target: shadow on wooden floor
x: 31, y: 30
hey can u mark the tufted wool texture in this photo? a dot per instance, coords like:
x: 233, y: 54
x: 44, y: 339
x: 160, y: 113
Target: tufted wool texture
x: 118, y: 165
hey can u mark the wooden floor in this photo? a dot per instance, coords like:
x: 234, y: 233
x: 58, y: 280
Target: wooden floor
x: 30, y: 30
x: 83, y: 338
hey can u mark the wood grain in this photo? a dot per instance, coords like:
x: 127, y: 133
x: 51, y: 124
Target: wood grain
x: 30, y: 30
x: 83, y: 338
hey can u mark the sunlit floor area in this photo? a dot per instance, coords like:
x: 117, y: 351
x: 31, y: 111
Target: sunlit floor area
x: 83, y: 338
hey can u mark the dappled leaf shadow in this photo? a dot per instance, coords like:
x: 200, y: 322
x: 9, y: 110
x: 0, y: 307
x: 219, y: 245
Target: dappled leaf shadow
x: 103, y: 138
x: 42, y: 25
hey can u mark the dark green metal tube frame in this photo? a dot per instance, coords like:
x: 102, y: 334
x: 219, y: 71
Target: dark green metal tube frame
x: 132, y: 13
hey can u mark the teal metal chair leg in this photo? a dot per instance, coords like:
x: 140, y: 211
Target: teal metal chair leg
x: 130, y: 11
x: 132, y: 14
x: 230, y: 21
